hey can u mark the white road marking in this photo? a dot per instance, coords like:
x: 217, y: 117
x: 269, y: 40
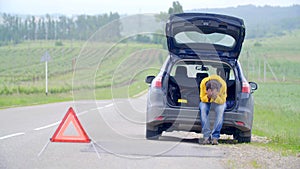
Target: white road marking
x: 11, y: 135
x: 82, y: 113
x: 79, y: 114
x: 109, y: 105
x: 47, y: 126
x: 88, y: 102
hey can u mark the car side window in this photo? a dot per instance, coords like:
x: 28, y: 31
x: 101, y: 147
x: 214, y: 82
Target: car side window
x: 231, y: 75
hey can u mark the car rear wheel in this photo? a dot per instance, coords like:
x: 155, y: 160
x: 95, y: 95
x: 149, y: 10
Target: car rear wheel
x: 243, y: 137
x: 153, y: 134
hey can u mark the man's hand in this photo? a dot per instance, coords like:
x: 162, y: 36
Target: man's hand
x: 209, y: 94
x: 214, y: 94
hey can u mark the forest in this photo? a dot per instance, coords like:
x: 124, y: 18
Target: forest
x: 16, y: 28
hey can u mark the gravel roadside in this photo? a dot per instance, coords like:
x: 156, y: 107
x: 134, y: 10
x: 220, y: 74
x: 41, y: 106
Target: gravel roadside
x: 247, y: 156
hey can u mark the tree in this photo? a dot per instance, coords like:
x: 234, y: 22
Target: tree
x: 81, y: 27
x: 112, y: 31
x: 177, y: 8
x: 143, y: 39
x: 41, y: 30
x: 62, y: 27
x: 26, y: 28
x: 7, y: 29
x: 33, y: 28
x: 163, y: 17
x: 70, y: 29
x: 48, y: 26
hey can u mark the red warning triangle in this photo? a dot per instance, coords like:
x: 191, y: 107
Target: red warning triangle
x: 59, y: 135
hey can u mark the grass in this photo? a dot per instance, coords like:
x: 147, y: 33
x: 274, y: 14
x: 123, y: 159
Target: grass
x: 280, y: 54
x: 277, y: 115
x: 255, y: 164
x: 9, y: 101
x: 95, y: 74
x: 21, y: 71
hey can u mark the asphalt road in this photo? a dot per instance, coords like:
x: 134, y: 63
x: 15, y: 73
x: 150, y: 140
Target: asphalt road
x: 117, y: 130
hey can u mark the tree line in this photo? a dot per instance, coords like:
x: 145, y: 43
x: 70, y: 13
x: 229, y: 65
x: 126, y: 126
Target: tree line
x: 17, y: 29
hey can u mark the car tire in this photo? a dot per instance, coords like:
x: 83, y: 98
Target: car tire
x: 243, y: 137
x: 153, y: 134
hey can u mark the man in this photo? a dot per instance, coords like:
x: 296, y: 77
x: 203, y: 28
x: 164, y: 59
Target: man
x: 212, y: 95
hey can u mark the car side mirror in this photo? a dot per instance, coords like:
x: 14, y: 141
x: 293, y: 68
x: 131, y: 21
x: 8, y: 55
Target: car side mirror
x: 253, y: 85
x: 149, y: 79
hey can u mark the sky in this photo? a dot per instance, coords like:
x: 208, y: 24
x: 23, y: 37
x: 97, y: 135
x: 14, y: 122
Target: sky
x: 70, y: 7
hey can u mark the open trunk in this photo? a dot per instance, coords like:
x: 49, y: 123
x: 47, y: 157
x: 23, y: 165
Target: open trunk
x: 186, y: 76
x: 202, y: 33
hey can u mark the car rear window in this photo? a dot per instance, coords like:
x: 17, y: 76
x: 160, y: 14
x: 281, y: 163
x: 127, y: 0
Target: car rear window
x: 194, y: 37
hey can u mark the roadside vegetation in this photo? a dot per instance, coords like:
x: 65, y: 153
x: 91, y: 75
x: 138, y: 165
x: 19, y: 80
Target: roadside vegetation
x: 22, y: 74
x: 277, y: 115
x: 274, y: 64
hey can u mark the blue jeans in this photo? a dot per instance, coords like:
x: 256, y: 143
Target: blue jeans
x: 205, y: 122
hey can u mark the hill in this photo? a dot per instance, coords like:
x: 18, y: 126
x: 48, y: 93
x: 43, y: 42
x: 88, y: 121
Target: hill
x: 263, y: 21
x: 76, y: 67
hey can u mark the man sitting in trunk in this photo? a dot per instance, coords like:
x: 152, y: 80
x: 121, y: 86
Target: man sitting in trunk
x: 212, y: 95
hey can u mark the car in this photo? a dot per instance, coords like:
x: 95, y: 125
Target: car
x: 199, y: 45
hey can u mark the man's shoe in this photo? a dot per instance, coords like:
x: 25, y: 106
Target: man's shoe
x: 206, y: 141
x: 215, y: 141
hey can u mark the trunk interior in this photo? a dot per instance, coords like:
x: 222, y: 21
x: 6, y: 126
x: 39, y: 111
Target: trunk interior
x: 185, y: 78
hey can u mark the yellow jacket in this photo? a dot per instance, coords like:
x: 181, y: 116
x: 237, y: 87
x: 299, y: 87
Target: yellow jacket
x: 221, y: 98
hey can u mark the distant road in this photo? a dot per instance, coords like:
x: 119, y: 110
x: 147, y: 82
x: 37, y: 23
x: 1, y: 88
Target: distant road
x: 117, y: 128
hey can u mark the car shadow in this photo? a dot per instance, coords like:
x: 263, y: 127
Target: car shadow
x: 193, y: 140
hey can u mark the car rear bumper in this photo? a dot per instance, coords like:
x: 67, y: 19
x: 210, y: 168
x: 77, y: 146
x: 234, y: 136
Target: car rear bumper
x: 189, y: 120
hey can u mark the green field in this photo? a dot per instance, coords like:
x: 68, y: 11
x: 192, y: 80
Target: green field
x: 274, y: 64
x: 277, y: 114
x: 94, y: 72
x: 280, y: 54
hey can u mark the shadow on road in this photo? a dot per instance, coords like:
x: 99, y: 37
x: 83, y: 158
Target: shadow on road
x: 193, y: 140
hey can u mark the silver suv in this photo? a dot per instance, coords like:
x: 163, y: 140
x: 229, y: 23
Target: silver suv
x: 200, y: 45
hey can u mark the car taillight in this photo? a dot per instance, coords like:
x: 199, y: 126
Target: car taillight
x: 157, y: 82
x: 159, y: 118
x: 246, y: 87
x: 240, y: 123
